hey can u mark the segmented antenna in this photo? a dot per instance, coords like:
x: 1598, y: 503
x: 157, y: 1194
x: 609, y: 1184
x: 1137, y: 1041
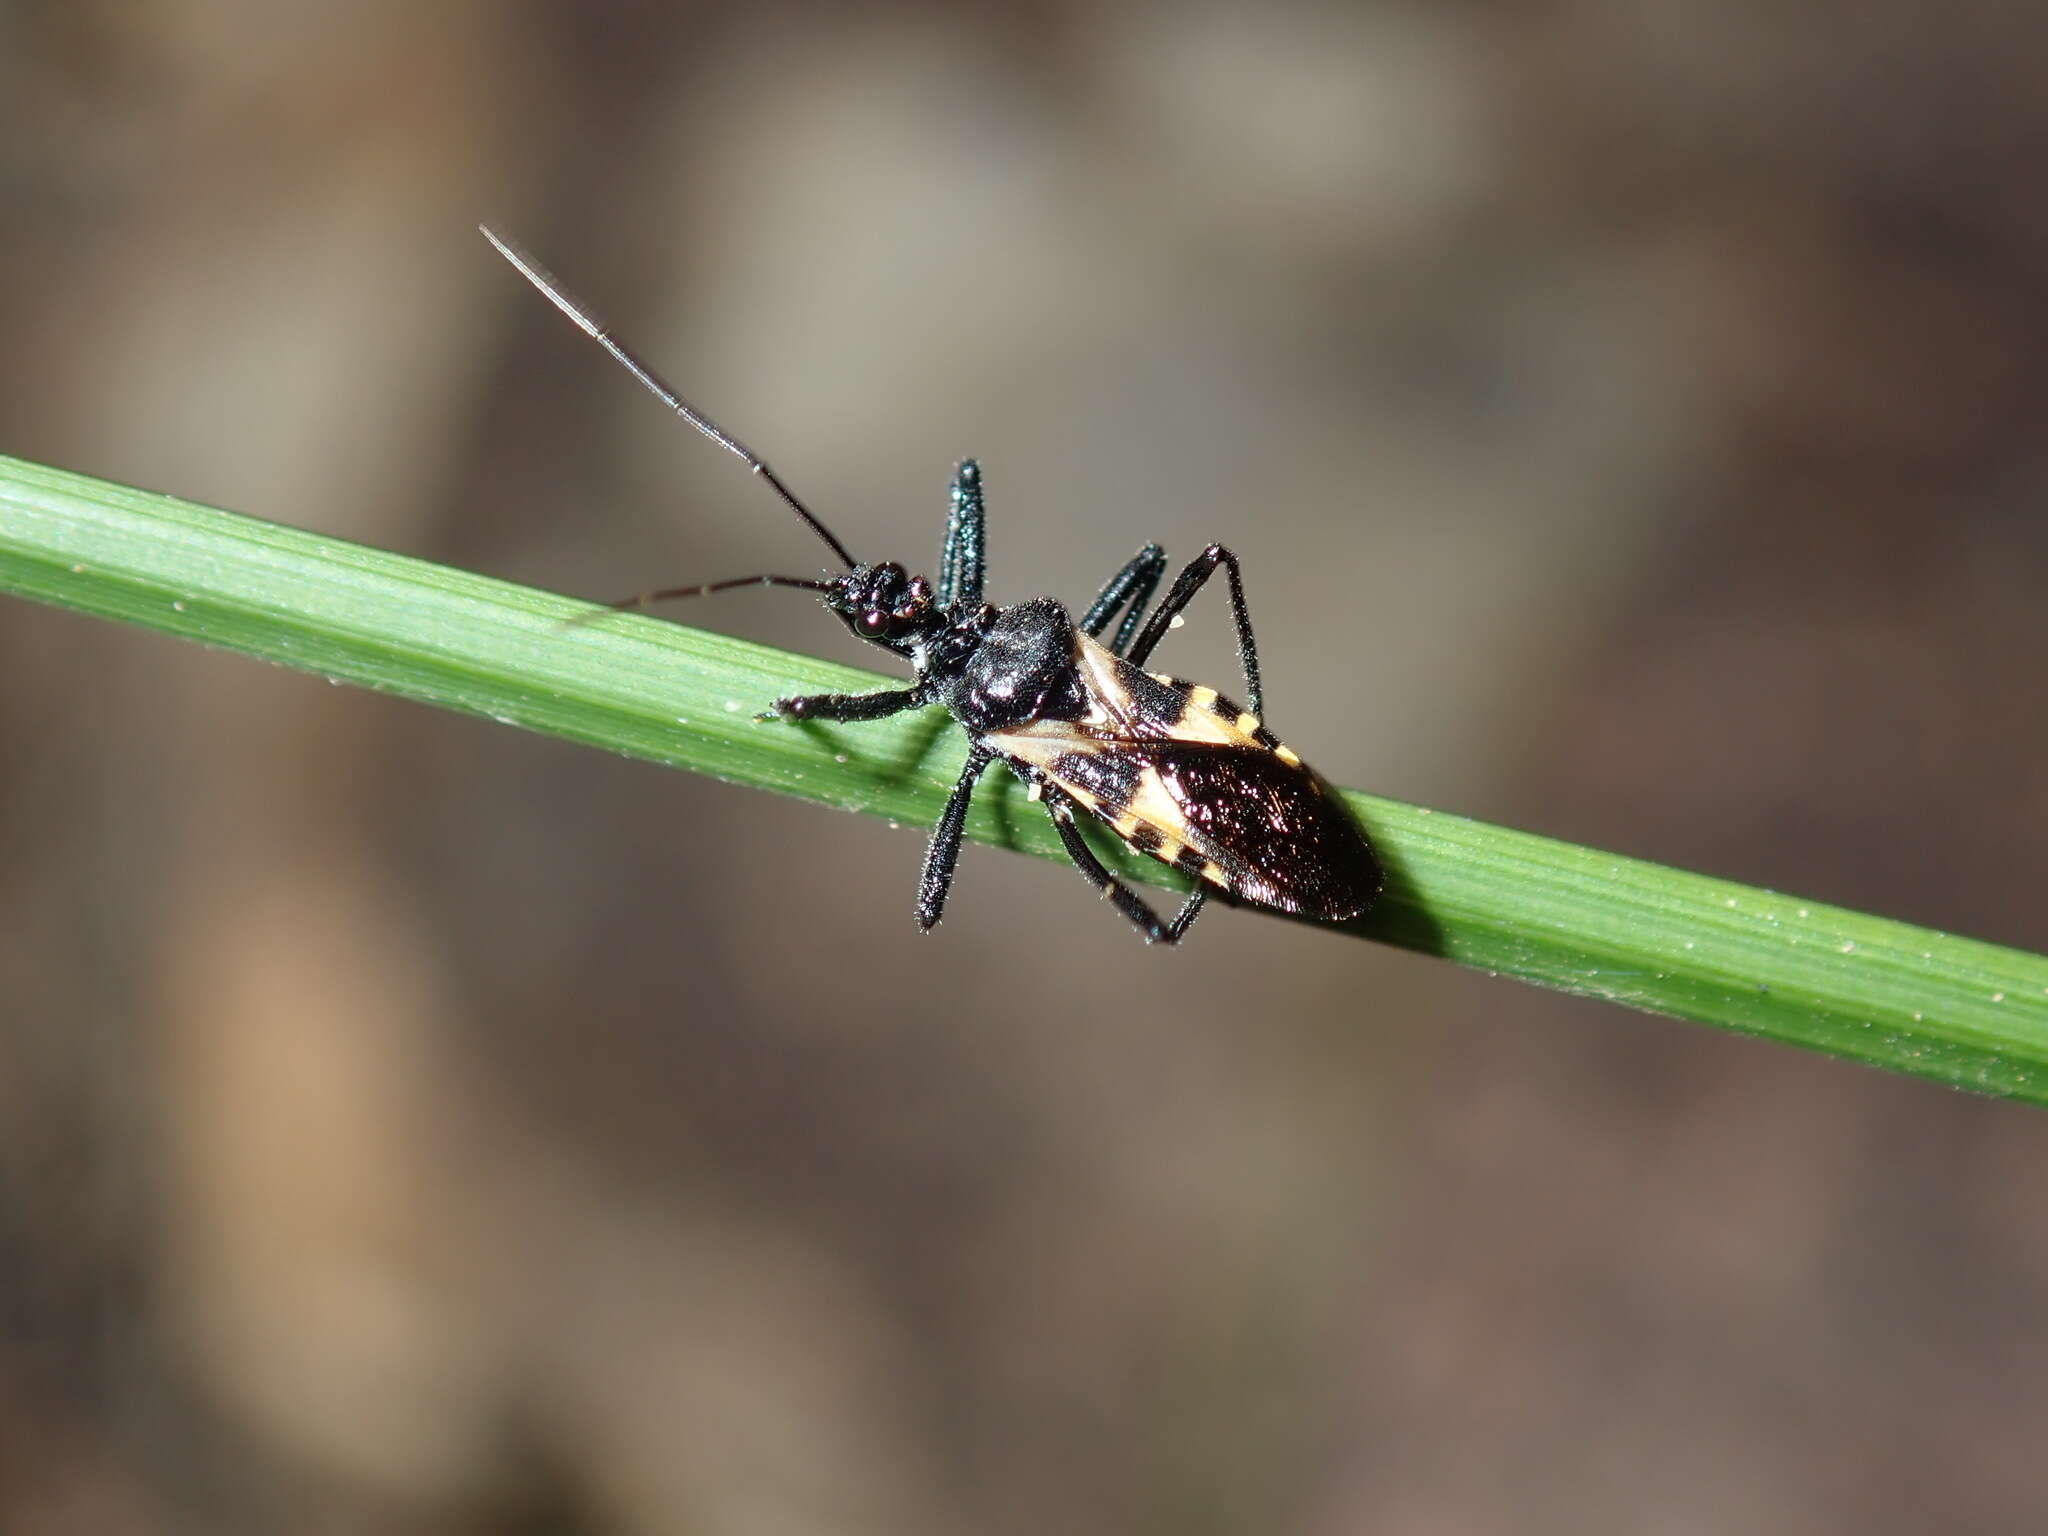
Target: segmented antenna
x: 698, y: 589
x: 652, y: 382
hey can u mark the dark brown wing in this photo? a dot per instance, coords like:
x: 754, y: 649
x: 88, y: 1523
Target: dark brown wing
x: 1276, y: 832
x: 1236, y: 814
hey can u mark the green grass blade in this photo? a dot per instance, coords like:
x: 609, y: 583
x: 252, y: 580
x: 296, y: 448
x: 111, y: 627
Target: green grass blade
x: 1949, y: 1009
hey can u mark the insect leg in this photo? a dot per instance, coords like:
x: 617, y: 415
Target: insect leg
x: 963, y: 557
x: 845, y: 706
x: 1134, y: 584
x: 1126, y: 900
x: 1185, y: 586
x: 1185, y: 918
x: 944, y: 851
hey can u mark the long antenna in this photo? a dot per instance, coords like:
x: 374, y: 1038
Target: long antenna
x: 544, y: 280
x: 670, y: 594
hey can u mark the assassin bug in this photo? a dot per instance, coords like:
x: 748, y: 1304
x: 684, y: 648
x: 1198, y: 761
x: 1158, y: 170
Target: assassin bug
x: 1175, y: 769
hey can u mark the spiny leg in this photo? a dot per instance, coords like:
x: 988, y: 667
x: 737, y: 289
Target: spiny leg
x: 1126, y: 900
x: 963, y: 557
x: 1189, y: 911
x: 944, y: 851
x: 845, y: 706
x: 1134, y: 584
x: 1185, y: 586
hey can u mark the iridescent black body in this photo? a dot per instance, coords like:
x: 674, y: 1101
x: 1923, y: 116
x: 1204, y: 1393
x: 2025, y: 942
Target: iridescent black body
x: 1176, y: 770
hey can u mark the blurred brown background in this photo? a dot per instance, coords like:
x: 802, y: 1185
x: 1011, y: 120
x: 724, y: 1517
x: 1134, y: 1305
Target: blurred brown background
x: 1632, y: 420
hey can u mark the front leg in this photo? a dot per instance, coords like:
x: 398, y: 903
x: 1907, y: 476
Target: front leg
x: 845, y: 706
x: 963, y: 559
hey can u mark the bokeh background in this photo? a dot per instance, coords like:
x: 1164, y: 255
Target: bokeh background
x: 1631, y: 416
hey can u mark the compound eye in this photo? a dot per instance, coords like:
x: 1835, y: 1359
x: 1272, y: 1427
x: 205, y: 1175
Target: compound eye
x: 872, y: 624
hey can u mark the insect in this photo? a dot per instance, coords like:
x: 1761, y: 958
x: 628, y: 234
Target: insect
x: 1173, y: 768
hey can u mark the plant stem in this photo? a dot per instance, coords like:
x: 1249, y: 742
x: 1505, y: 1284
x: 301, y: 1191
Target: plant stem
x: 1952, y: 1010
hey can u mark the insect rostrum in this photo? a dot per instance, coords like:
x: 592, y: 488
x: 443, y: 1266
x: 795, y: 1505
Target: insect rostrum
x: 1176, y: 770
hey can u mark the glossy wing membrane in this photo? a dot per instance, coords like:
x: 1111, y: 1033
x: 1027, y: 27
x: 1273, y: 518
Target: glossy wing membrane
x: 1182, y: 775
